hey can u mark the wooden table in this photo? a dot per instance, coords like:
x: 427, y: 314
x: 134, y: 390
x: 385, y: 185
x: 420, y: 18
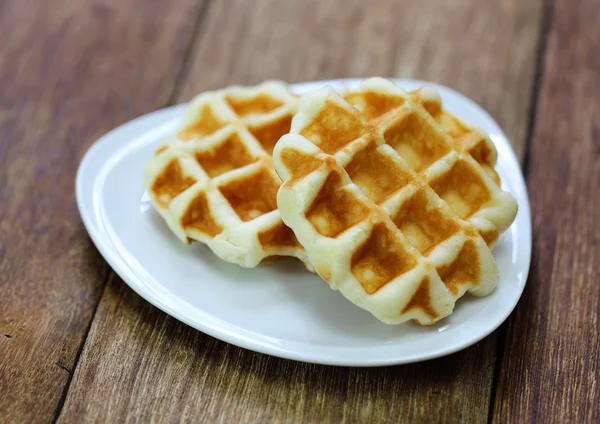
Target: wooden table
x: 76, y: 343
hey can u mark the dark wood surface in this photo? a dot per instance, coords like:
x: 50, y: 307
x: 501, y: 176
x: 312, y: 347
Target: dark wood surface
x: 77, y: 344
x: 550, y: 364
x: 69, y: 72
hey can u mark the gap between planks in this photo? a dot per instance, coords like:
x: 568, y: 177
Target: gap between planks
x: 546, y: 20
x: 175, y: 92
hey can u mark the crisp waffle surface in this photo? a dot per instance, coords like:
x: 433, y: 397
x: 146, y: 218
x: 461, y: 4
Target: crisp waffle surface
x: 389, y: 211
x: 465, y: 138
x: 214, y: 181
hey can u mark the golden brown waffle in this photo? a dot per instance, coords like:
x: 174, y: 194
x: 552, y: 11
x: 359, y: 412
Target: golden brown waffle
x: 214, y: 182
x: 379, y: 99
x: 362, y: 193
x: 464, y: 137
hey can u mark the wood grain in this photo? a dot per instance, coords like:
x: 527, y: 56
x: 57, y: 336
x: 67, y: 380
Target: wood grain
x: 139, y: 364
x: 550, y: 371
x: 486, y: 51
x: 69, y: 71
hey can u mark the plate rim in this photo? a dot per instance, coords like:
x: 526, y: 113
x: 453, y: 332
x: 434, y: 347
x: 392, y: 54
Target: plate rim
x: 119, y: 266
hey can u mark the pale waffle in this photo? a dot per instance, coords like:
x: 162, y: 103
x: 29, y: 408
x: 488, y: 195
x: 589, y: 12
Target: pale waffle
x: 214, y: 182
x: 359, y: 192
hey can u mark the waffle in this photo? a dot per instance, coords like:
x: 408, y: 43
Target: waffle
x: 363, y: 193
x: 379, y: 100
x: 465, y: 138
x: 214, y: 181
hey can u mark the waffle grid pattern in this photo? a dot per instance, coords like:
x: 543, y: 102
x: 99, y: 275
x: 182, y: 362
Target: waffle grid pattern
x: 464, y: 137
x: 214, y: 181
x: 360, y: 193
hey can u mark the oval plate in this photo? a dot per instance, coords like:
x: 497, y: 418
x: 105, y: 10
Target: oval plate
x: 278, y: 309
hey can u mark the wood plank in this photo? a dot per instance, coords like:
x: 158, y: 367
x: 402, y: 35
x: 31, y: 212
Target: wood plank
x: 138, y: 363
x: 69, y: 71
x: 550, y: 370
x: 486, y: 51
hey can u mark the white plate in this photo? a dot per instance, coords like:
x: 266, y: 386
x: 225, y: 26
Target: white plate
x: 278, y: 309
